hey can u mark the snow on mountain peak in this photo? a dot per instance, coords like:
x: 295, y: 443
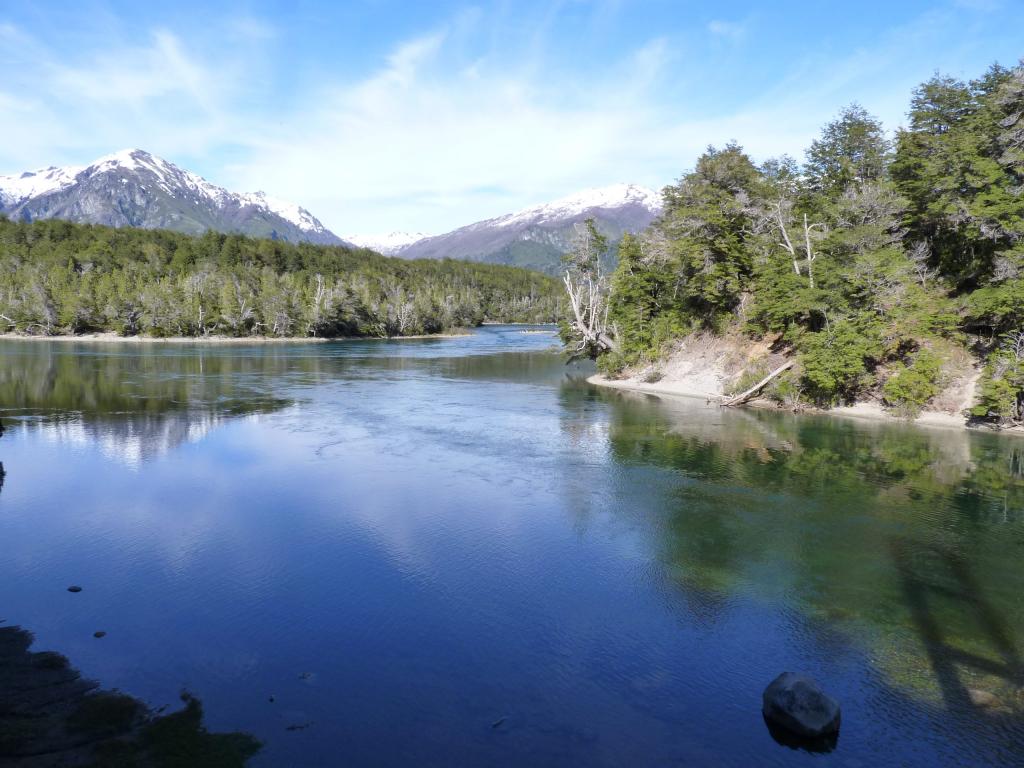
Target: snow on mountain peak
x: 169, y: 177
x: 613, y: 196
x: 291, y: 212
x: 173, y: 180
x: 389, y: 243
x: 14, y: 189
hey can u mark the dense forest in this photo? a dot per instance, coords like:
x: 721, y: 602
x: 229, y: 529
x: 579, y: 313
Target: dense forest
x: 875, y: 265
x: 63, y: 278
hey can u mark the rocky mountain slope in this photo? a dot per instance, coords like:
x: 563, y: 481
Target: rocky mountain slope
x: 537, y: 237
x: 133, y: 188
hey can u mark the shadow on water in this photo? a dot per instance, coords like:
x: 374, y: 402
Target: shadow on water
x: 51, y: 716
x: 818, y: 745
x: 930, y: 573
x: 898, y: 537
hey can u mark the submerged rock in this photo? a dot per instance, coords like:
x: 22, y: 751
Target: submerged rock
x: 796, y: 703
x: 982, y: 699
x: 74, y: 588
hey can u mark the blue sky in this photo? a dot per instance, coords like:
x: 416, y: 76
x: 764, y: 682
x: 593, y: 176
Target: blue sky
x: 380, y: 115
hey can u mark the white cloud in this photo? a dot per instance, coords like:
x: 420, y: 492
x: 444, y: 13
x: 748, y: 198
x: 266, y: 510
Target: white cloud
x: 727, y: 29
x: 158, y: 94
x: 474, y: 140
x: 446, y: 129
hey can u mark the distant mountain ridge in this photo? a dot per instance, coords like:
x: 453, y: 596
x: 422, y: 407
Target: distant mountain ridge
x: 133, y: 188
x: 388, y: 244
x: 536, y: 237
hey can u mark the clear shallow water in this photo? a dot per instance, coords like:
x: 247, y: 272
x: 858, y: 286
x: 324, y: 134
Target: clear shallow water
x: 405, y: 542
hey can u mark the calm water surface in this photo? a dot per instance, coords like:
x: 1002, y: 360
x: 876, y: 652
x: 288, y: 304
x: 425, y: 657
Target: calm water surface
x: 456, y: 552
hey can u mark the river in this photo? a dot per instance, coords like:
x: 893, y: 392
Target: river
x: 442, y: 552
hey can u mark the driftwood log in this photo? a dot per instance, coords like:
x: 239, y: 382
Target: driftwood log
x: 745, y: 396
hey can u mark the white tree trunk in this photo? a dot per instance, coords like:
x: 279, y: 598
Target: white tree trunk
x: 745, y: 396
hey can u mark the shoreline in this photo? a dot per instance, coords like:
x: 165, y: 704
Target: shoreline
x: 114, y: 338
x: 871, y: 412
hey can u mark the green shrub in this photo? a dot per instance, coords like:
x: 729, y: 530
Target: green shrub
x: 909, y: 388
x: 1001, y: 398
x: 998, y: 400
x: 785, y: 390
x: 834, y: 362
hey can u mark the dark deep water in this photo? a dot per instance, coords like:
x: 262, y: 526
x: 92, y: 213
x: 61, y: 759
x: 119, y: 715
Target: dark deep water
x: 404, y: 543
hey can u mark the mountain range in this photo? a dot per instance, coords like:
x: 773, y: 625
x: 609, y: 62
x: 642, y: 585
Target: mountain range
x: 137, y: 189
x: 536, y: 237
x: 133, y: 188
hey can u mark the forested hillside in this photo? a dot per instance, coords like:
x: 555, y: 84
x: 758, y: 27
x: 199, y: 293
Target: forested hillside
x: 59, y: 278
x: 877, y: 265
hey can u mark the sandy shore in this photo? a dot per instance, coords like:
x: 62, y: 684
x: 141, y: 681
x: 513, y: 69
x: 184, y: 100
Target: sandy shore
x: 113, y: 337
x: 875, y: 412
x: 863, y: 411
x: 670, y: 388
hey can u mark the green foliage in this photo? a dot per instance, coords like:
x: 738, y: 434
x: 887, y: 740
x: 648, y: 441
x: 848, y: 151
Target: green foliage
x: 589, y: 252
x: 642, y: 302
x: 57, y: 277
x: 955, y: 165
x: 852, y: 150
x: 834, y: 362
x: 707, y: 225
x: 909, y: 388
x: 863, y: 255
x: 999, y: 306
x: 1001, y: 397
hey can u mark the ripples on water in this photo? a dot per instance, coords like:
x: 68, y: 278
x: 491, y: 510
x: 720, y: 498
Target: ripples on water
x: 457, y: 552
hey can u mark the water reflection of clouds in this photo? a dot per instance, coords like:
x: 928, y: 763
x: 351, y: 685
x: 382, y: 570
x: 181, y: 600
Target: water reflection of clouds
x: 129, y: 441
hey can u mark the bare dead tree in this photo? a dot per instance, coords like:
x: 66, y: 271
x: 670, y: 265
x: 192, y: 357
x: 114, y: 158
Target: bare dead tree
x: 786, y: 242
x: 811, y: 256
x: 589, y: 292
x: 589, y: 301
x: 920, y: 254
x: 1015, y: 344
x: 317, y: 306
x: 782, y: 210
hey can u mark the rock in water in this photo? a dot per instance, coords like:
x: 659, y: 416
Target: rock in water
x: 797, y: 703
x: 982, y: 699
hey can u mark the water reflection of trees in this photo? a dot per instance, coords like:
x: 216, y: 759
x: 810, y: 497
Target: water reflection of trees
x: 136, y: 403
x: 810, y: 510
x: 50, y: 716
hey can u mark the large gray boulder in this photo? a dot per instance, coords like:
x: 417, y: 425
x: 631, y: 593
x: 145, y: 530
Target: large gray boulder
x: 796, y: 702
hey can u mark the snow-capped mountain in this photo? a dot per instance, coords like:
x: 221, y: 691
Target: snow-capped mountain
x: 133, y: 188
x: 389, y: 244
x: 536, y: 237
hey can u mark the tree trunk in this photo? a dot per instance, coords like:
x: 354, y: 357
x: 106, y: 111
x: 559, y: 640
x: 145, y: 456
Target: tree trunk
x: 745, y: 396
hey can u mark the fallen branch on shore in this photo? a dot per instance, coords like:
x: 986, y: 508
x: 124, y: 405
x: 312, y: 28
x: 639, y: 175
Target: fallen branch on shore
x: 745, y: 396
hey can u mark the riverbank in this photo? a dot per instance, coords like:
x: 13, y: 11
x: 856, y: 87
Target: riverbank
x: 114, y: 337
x: 693, y: 388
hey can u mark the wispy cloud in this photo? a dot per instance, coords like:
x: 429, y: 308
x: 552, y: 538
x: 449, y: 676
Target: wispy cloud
x: 731, y: 30
x: 158, y: 91
x: 436, y: 135
x: 480, y: 112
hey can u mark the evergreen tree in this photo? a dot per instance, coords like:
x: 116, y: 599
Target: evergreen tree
x: 852, y: 150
